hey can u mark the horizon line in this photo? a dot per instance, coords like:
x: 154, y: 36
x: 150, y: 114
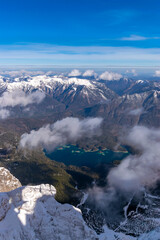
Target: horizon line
x: 76, y: 66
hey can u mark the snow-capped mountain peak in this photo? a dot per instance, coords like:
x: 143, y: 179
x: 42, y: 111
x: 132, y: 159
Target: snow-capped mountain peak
x: 64, y: 89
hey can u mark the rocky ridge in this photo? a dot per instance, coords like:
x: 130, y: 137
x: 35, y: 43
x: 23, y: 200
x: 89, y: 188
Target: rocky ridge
x: 7, y: 181
x: 32, y: 213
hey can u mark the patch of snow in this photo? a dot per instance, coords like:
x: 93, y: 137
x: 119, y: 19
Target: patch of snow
x: 78, y: 81
x: 140, y: 81
x: 112, y: 235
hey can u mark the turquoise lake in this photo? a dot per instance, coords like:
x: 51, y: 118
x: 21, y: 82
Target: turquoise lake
x: 72, y: 155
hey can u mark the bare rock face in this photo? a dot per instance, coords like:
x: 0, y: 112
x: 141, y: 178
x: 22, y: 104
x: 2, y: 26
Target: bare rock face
x: 32, y: 213
x: 7, y: 181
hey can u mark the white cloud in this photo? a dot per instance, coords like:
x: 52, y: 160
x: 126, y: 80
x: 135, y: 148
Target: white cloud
x: 109, y: 76
x: 141, y: 170
x: 74, y: 73
x: 157, y: 73
x: 134, y: 175
x: 61, y: 132
x: 11, y: 99
x: 4, y: 113
x: 89, y: 73
x: 137, y: 38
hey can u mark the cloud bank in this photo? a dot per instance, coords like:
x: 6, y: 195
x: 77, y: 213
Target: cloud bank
x: 24, y: 73
x: 138, y: 171
x: 12, y: 99
x: 135, y: 175
x: 110, y: 76
x: 4, y: 113
x: 61, y: 132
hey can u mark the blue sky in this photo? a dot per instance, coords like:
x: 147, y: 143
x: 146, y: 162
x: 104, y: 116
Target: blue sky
x: 97, y: 32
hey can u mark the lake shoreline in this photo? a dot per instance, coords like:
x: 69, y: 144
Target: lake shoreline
x: 73, y: 155
x: 92, y: 150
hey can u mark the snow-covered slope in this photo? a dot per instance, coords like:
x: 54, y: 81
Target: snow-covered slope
x: 64, y: 89
x: 32, y: 213
x: 41, y: 80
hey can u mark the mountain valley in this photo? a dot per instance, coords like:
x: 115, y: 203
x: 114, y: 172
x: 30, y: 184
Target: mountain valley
x: 43, y: 102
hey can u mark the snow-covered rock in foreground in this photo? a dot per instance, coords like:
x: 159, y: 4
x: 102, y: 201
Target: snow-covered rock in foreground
x: 32, y: 213
x: 7, y: 181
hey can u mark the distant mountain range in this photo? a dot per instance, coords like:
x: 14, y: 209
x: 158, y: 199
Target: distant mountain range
x: 120, y: 102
